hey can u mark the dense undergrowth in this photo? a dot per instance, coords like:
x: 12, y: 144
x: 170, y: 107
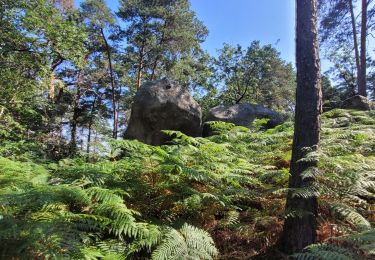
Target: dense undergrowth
x: 198, y: 198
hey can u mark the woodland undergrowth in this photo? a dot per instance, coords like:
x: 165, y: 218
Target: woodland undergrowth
x: 205, y: 198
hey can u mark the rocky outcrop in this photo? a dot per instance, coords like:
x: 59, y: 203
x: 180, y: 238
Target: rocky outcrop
x: 163, y: 105
x: 358, y: 102
x: 241, y: 115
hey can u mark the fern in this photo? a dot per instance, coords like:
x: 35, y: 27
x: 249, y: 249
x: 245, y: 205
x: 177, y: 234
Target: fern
x: 233, y: 185
x: 326, y: 252
x: 187, y: 243
x: 357, y: 246
x: 350, y: 215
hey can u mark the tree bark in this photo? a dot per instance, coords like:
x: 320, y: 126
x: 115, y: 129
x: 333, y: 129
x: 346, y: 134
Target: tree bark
x: 154, y: 69
x: 161, y: 42
x: 140, y: 67
x: 141, y: 55
x: 355, y: 40
x: 300, y: 230
x: 51, y: 88
x: 2, y: 110
x: 362, y: 80
x: 90, y: 127
x: 76, y: 111
x: 113, y: 87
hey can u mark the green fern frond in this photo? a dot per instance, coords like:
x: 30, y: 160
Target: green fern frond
x: 187, y: 243
x: 350, y: 215
x: 231, y: 218
x: 181, y: 138
x: 326, y: 252
x: 105, y: 196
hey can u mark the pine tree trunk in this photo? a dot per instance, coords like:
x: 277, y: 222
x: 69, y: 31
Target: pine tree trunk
x: 355, y: 40
x: 362, y: 80
x: 89, y: 139
x: 90, y: 126
x: 140, y: 67
x: 76, y: 111
x: 300, y: 231
x: 141, y: 54
x: 113, y: 87
x: 73, y: 131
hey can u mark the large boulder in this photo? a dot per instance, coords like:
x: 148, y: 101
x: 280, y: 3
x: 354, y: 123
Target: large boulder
x: 358, y: 102
x: 163, y: 105
x: 241, y: 115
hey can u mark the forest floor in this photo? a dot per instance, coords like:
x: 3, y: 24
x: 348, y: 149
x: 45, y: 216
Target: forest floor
x: 231, y: 186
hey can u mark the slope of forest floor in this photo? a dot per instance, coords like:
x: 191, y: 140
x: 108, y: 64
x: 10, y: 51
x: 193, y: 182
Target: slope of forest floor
x: 142, y: 201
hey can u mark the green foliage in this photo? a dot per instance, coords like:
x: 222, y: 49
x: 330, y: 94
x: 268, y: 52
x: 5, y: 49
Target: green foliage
x: 56, y: 218
x: 254, y: 75
x: 188, y: 243
x: 326, y: 252
x: 348, y: 161
x: 133, y: 200
x: 357, y: 246
x: 163, y: 39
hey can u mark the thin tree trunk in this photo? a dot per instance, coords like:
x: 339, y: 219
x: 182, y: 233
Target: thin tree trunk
x: 88, y: 140
x: 95, y: 141
x: 140, y: 66
x: 154, y: 69
x: 90, y: 126
x: 300, y: 224
x: 113, y: 87
x: 2, y: 110
x: 141, y: 55
x: 73, y: 130
x: 362, y: 81
x: 74, y: 121
x: 161, y: 42
x: 51, y: 88
x: 355, y: 40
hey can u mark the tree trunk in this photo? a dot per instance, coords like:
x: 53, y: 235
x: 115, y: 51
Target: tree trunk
x: 73, y: 129
x: 300, y: 227
x: 51, y: 87
x: 2, y: 112
x: 355, y: 40
x: 161, y: 42
x: 113, y: 87
x: 362, y: 80
x: 154, y: 69
x: 140, y: 67
x: 90, y: 126
x: 141, y: 54
x: 76, y: 111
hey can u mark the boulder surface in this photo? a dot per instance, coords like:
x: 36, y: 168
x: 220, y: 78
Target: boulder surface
x: 241, y: 115
x: 163, y: 105
x: 358, y: 102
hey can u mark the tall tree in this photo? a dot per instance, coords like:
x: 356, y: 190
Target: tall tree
x: 362, y: 80
x: 355, y: 40
x: 339, y: 25
x: 36, y: 39
x: 100, y: 19
x: 256, y: 74
x: 63, y: 4
x: 160, y: 34
x: 300, y: 223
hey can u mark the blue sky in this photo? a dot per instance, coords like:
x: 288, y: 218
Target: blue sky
x: 243, y: 21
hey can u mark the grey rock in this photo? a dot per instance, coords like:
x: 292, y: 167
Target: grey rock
x: 163, y: 105
x: 241, y: 115
x: 359, y: 103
